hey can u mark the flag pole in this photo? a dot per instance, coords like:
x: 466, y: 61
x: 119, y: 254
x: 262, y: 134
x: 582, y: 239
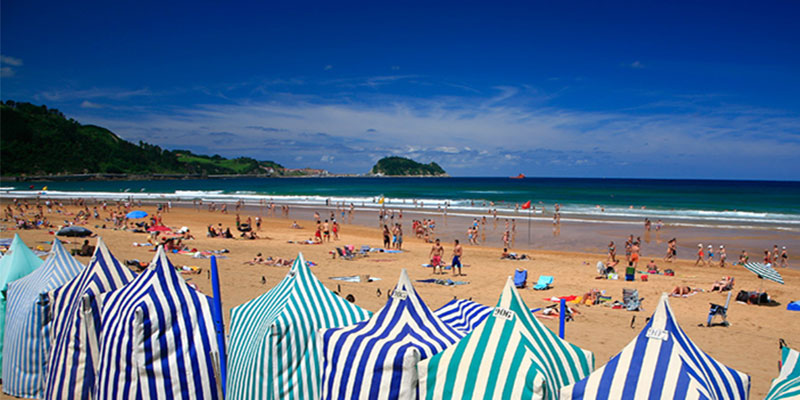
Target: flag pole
x: 219, y: 325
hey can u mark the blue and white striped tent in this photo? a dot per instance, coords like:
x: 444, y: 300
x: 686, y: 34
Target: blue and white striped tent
x: 18, y: 262
x: 661, y: 362
x: 273, y: 352
x: 378, y: 358
x: 157, y: 339
x: 463, y: 315
x: 787, y: 384
x: 27, y: 340
x: 71, y: 365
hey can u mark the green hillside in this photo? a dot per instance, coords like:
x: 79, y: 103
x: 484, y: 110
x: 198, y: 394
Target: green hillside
x: 35, y: 140
x: 400, y: 166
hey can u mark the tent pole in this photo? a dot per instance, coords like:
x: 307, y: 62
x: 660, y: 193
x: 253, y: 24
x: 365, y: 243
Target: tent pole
x: 562, y: 316
x: 219, y: 325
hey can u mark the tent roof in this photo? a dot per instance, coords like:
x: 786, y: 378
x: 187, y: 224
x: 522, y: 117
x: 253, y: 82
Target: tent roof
x: 525, y: 358
x: 787, y: 384
x: 662, y: 362
x: 23, y: 364
x: 377, y: 358
x: 282, y: 324
x: 72, y: 355
x: 463, y: 315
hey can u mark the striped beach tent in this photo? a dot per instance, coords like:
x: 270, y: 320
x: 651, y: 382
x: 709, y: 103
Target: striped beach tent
x: 73, y: 352
x: 787, y: 384
x: 378, y: 358
x: 511, y: 355
x: 18, y: 262
x: 27, y: 339
x: 662, y: 363
x: 273, y: 352
x: 463, y: 315
x: 157, y: 339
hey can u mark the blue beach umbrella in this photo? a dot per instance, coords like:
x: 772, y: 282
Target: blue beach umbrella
x: 136, y: 214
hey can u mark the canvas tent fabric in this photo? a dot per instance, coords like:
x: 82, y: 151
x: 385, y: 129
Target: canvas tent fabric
x: 787, y: 384
x: 18, y: 262
x: 662, y: 362
x: 511, y: 355
x: 764, y: 271
x: 157, y: 339
x: 273, y: 351
x: 377, y: 358
x: 463, y: 315
x: 27, y: 338
x: 73, y: 353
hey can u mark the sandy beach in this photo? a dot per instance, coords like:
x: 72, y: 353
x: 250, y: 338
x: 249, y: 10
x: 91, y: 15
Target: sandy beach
x: 750, y: 344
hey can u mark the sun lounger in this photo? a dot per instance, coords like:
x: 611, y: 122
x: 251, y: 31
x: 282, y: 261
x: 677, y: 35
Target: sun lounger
x: 343, y: 255
x: 543, y: 283
x: 520, y: 278
x: 717, y: 309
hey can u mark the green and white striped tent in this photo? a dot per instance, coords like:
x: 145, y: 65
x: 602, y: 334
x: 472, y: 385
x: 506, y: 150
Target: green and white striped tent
x: 19, y: 261
x: 787, y: 384
x: 511, y: 355
x: 273, y: 351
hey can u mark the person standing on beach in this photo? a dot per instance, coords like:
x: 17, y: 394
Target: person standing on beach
x: 775, y: 255
x: 700, y: 255
x: 612, y: 252
x: 457, y: 252
x: 399, y: 237
x: 635, y: 254
x: 722, y: 256
x: 387, y: 241
x: 437, y: 251
x: 710, y: 255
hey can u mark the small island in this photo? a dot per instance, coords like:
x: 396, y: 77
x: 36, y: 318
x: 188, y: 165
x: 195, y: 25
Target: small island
x: 401, y: 166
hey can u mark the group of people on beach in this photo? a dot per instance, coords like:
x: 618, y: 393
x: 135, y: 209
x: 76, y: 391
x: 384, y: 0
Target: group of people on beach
x: 437, y: 252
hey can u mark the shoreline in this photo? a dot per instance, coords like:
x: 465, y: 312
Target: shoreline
x: 107, y: 177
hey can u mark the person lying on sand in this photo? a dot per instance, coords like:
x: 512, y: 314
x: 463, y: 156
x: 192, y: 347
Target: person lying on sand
x: 512, y: 256
x: 258, y: 259
x: 683, y: 291
x: 295, y: 226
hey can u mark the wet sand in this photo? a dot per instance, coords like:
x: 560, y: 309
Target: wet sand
x: 750, y: 344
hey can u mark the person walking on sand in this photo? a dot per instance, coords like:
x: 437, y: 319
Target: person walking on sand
x: 775, y: 255
x: 457, y: 252
x: 710, y: 255
x: 722, y: 256
x: 635, y: 254
x: 672, y: 251
x: 700, y: 255
x: 437, y: 251
x: 784, y: 258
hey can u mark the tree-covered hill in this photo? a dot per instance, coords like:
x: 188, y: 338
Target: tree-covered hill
x: 35, y: 140
x: 400, y: 166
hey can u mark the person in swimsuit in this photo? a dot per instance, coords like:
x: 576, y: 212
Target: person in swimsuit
x: 710, y: 254
x: 612, y: 252
x: 635, y: 254
x: 387, y: 241
x: 436, y: 256
x: 457, y: 252
x: 700, y: 255
x: 784, y: 258
x: 722, y: 256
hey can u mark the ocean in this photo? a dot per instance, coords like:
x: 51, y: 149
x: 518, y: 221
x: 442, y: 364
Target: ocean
x: 700, y: 203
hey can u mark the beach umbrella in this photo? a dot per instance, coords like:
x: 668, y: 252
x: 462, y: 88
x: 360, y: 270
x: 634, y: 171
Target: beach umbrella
x: 377, y: 358
x: 273, y: 351
x: 27, y: 335
x: 463, y: 315
x: 74, y: 231
x: 19, y: 261
x: 159, y: 228
x: 510, y: 355
x: 787, y: 384
x: 764, y: 271
x: 661, y: 362
x: 71, y: 361
x: 157, y: 339
x: 136, y: 214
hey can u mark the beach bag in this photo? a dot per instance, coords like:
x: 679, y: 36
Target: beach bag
x: 644, y: 278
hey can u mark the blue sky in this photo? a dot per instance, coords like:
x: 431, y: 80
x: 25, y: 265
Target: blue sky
x: 587, y: 89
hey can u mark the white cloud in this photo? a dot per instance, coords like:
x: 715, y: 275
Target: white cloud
x: 13, y: 61
x: 89, y: 104
x: 328, y: 67
x: 93, y: 93
x: 636, y: 64
x: 6, y: 72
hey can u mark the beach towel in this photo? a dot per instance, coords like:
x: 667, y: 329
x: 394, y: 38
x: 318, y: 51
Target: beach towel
x: 355, y: 278
x: 445, y: 282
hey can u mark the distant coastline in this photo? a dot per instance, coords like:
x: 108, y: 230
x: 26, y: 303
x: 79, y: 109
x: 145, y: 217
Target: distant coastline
x: 146, y: 177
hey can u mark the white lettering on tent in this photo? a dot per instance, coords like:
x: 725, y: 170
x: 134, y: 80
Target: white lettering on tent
x: 400, y: 294
x: 503, y: 313
x: 659, y: 334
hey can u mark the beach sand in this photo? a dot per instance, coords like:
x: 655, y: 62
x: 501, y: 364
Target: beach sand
x: 750, y: 344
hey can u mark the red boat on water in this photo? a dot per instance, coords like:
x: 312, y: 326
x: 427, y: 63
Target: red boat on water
x: 520, y: 176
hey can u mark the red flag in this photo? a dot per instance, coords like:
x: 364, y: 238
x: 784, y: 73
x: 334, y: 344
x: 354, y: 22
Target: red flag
x: 526, y: 205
